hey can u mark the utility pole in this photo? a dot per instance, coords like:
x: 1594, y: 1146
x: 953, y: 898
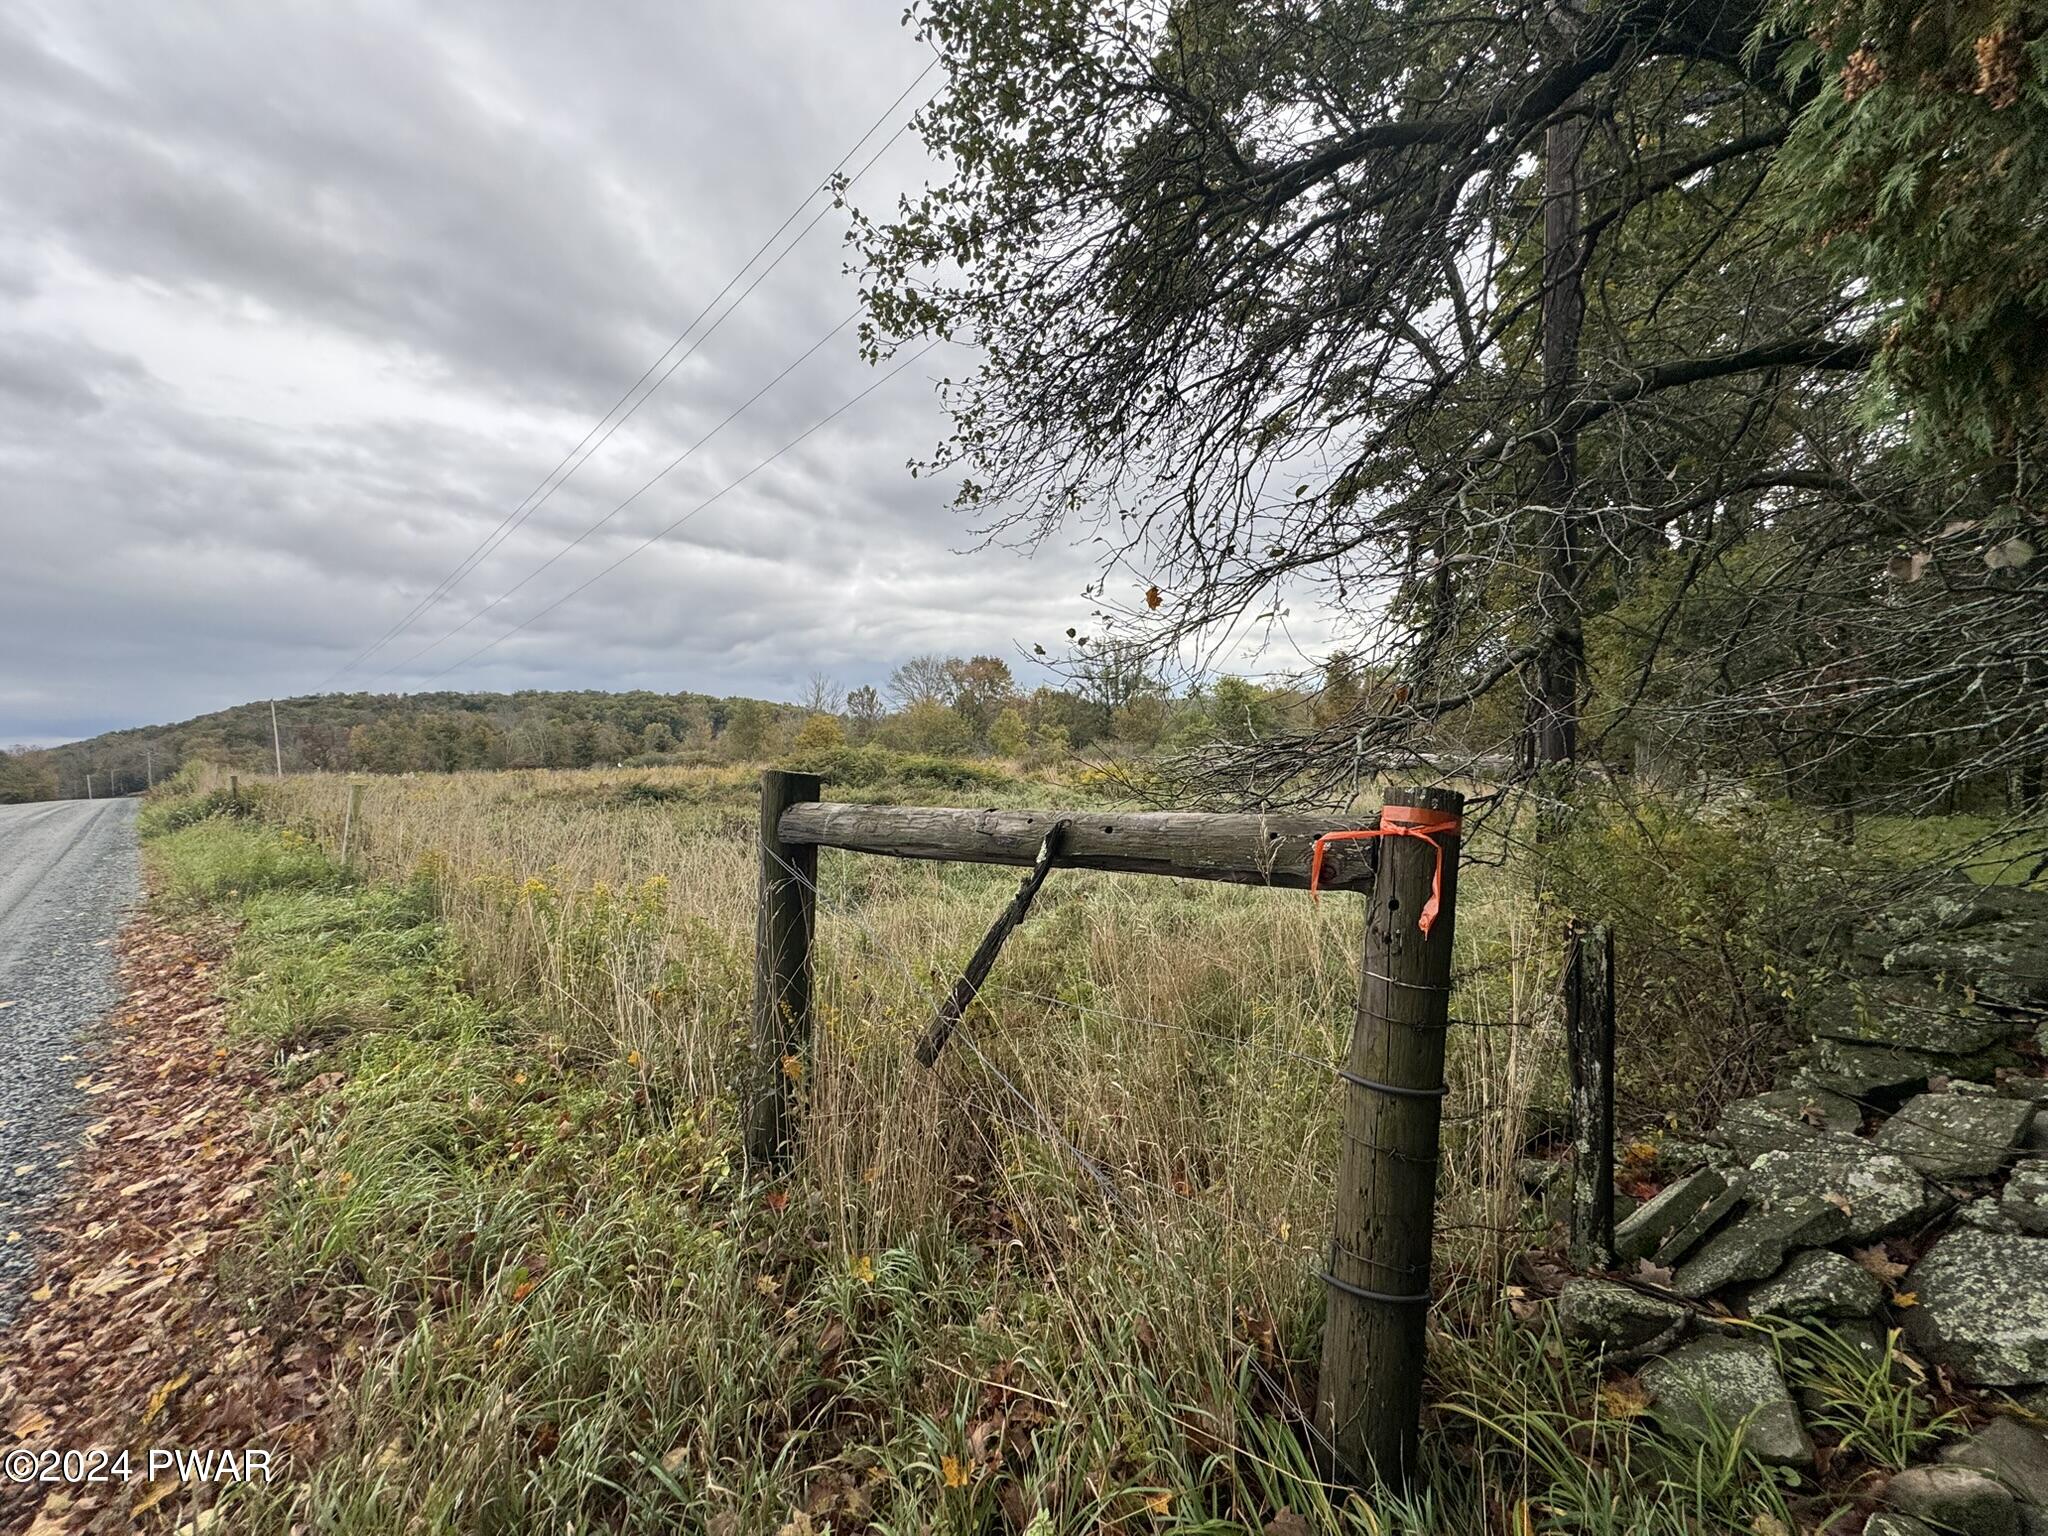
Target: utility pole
x: 149, y: 764
x: 88, y: 786
x: 276, y: 741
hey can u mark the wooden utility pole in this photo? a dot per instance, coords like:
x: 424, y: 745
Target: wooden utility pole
x: 348, y: 818
x: 149, y: 765
x: 1369, y: 1401
x: 1589, y: 1043
x: 88, y: 786
x: 782, y: 972
x: 276, y: 741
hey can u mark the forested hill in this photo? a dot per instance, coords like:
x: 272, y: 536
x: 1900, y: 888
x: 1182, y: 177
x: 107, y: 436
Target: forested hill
x: 388, y: 733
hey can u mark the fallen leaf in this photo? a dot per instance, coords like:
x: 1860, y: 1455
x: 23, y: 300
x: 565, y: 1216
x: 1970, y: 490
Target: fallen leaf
x: 1878, y: 1262
x: 1905, y: 1298
x: 1160, y: 1503
x: 1624, y: 1398
x: 952, y: 1471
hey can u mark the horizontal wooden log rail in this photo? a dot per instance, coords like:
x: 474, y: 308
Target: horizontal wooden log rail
x: 1194, y: 845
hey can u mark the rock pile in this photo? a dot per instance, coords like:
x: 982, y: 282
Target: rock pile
x: 1899, y: 1177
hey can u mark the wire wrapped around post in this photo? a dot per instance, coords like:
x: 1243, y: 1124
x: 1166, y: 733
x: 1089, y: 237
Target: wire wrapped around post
x: 1369, y: 1401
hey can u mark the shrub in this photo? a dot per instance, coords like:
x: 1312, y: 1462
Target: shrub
x: 1716, y: 917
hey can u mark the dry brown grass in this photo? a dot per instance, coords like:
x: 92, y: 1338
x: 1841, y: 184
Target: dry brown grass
x: 1174, y: 1034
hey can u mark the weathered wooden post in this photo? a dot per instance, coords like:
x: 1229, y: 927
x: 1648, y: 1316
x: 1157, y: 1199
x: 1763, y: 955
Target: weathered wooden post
x: 235, y: 790
x: 1589, y: 1043
x: 782, y: 972
x: 348, y: 818
x: 1369, y: 1400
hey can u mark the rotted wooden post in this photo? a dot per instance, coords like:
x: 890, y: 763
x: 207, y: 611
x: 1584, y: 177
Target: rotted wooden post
x: 1589, y: 1043
x: 1369, y: 1400
x: 349, y: 816
x: 782, y: 973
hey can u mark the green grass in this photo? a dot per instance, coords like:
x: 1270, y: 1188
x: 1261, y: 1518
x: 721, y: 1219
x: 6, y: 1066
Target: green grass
x: 567, y: 1311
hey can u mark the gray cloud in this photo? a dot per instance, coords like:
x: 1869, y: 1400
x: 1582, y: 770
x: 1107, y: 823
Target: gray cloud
x: 297, y: 303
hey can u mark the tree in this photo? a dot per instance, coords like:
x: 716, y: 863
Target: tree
x: 923, y: 680
x: 981, y: 687
x: 819, y: 734
x: 1471, y: 327
x: 929, y: 726
x: 864, y: 709
x: 822, y: 696
x: 657, y: 738
x: 1007, y: 734
x: 747, y: 724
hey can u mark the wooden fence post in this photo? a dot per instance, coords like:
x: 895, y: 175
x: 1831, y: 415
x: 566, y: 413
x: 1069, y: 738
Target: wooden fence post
x: 235, y: 790
x: 348, y: 819
x: 782, y: 972
x: 1589, y: 1043
x: 1369, y: 1400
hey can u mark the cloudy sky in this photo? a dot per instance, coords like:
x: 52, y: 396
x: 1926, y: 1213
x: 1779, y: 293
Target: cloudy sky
x: 298, y: 303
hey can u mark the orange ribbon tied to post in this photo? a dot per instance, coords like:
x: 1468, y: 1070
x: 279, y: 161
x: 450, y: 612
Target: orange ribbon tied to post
x: 1396, y: 821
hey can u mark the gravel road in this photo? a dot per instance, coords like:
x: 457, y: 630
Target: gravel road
x: 68, y: 874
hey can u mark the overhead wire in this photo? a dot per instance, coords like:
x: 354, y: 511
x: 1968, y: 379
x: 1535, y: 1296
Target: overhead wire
x: 543, y: 490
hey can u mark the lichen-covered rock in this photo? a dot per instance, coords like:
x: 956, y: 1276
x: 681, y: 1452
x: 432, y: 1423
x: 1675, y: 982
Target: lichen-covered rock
x: 1665, y: 1212
x: 2034, y: 1089
x: 1785, y: 1118
x: 2025, y: 1200
x: 1891, y: 1523
x: 1879, y: 1193
x: 1817, y: 1283
x: 2036, y: 1139
x: 1982, y: 1307
x: 1686, y: 1237
x: 2018, y: 1457
x: 1730, y: 1382
x: 1956, y: 1135
x: 1958, y: 1499
x: 1754, y: 1244
x: 1614, y: 1318
x: 1910, y: 1014
x: 2006, y: 961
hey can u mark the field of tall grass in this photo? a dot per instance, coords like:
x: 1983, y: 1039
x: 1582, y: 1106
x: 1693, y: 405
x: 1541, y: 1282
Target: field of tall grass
x: 522, y: 1194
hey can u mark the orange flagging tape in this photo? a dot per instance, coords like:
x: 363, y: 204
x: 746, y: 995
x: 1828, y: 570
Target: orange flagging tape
x: 1396, y: 821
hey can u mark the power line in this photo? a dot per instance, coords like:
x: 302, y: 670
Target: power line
x: 659, y: 475
x: 543, y: 490
x: 655, y: 538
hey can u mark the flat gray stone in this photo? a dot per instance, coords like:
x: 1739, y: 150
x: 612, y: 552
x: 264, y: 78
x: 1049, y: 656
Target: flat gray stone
x: 1882, y: 1193
x: 1785, y: 1118
x: 1908, y: 1013
x: 2025, y: 1200
x: 1815, y: 1284
x: 1702, y: 1221
x: 1958, y: 1499
x: 1983, y: 1307
x: 2002, y: 960
x: 1754, y: 1244
x: 1728, y: 1383
x: 1956, y: 1135
x: 1614, y: 1318
x: 2014, y: 1454
x: 1665, y: 1212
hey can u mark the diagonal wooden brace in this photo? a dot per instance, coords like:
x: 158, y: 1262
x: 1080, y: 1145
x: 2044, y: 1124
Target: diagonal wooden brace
x: 957, y: 1002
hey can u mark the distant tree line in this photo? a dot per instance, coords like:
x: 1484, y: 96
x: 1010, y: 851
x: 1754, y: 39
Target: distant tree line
x: 944, y: 706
